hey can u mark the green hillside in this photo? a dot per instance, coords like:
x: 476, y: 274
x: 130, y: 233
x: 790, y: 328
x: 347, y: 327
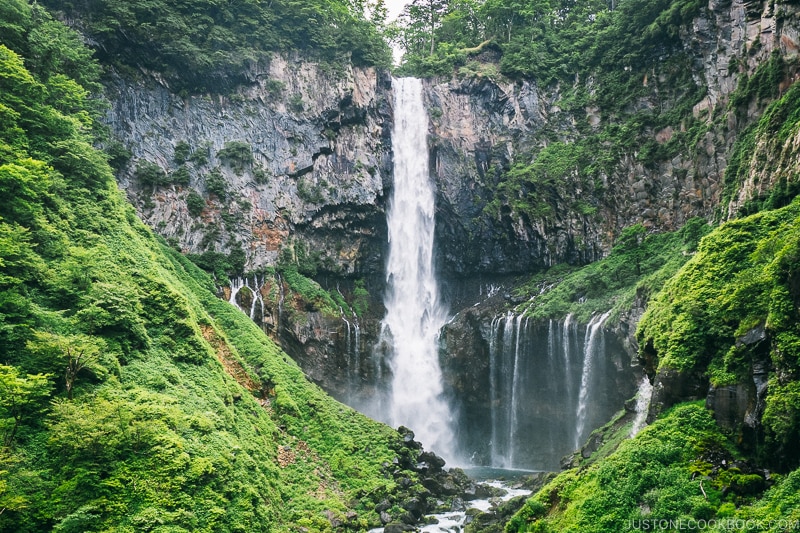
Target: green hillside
x: 684, y: 467
x: 131, y: 397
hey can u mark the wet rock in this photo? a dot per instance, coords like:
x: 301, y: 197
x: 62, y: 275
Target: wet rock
x: 408, y: 438
x: 415, y: 506
x: 592, y: 445
x: 671, y: 387
x: 383, y: 506
x: 398, y: 527
x: 434, y: 461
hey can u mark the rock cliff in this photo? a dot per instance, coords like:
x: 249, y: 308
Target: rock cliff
x: 297, y: 164
x: 299, y: 155
x: 481, y: 123
x: 316, y: 158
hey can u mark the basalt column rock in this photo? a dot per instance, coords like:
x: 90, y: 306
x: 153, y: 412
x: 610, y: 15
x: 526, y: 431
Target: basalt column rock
x: 298, y: 160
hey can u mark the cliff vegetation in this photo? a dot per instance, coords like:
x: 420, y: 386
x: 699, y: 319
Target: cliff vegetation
x: 207, y: 45
x: 131, y: 397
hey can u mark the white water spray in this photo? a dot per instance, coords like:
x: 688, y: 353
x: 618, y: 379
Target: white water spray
x: 642, y: 405
x: 414, y: 313
x: 590, y: 349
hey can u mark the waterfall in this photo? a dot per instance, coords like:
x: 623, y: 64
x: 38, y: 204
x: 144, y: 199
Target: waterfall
x: 256, y: 299
x: 352, y: 351
x: 414, y: 312
x: 643, y: 397
x: 590, y: 348
x: 516, y: 375
x: 495, y: 355
x: 568, y: 331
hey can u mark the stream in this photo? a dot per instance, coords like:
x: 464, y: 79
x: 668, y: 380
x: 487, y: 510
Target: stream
x: 455, y: 521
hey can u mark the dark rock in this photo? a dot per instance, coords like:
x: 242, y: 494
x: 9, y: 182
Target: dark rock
x: 398, y: 527
x: 494, y: 520
x: 415, y: 506
x: 458, y: 505
x: 483, y: 491
x: 385, y: 517
x: 435, y: 462
x: 536, y: 481
x: 470, y: 491
x: 383, y: 506
x: 672, y: 387
x: 570, y: 461
x: 432, y: 484
x: 592, y: 445
x: 408, y: 438
x: 731, y: 403
x: 754, y: 336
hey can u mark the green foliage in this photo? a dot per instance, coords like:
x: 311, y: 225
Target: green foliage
x: 295, y: 255
x: 20, y: 398
x: 118, y: 155
x: 743, y: 276
x: 310, y: 293
x: 637, y: 266
x: 183, y: 152
x: 222, y: 266
x: 195, y: 203
x: 547, y: 40
x: 646, y: 478
x: 238, y: 155
x: 203, y: 46
x: 216, y: 184
x: 180, y: 176
x: 131, y: 397
x: 150, y: 175
x: 361, y: 298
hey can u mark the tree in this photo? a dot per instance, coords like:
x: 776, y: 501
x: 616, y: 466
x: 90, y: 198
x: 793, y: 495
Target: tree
x: 630, y: 243
x: 19, y: 397
x: 75, y: 352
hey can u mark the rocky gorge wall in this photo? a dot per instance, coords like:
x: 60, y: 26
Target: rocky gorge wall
x: 296, y: 166
x: 321, y: 156
x: 482, y: 123
x: 302, y: 154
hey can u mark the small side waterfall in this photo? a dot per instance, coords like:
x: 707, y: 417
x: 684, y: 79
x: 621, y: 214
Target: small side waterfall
x: 254, y: 296
x: 643, y: 397
x: 549, y: 383
x: 352, y: 356
x: 414, y: 312
x: 591, y: 346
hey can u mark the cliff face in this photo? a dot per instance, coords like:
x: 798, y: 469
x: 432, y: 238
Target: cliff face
x: 317, y: 156
x: 300, y: 155
x: 481, y: 123
x: 299, y: 163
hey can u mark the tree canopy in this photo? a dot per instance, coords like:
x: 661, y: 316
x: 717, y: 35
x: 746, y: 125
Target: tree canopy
x: 207, y: 44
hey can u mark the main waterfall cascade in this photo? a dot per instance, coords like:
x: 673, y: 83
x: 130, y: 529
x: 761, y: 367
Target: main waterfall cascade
x: 414, y: 311
x: 546, y: 385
